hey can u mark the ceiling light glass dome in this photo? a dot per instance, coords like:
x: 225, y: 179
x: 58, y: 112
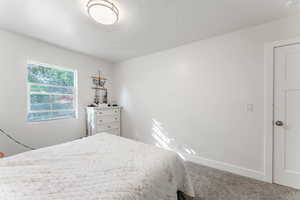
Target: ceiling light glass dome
x: 103, y: 11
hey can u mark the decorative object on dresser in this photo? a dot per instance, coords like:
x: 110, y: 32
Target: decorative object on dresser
x: 2, y: 155
x: 103, y: 119
x: 100, y: 90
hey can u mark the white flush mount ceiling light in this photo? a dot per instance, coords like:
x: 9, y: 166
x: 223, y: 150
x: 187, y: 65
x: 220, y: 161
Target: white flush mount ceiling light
x: 292, y: 3
x: 103, y: 11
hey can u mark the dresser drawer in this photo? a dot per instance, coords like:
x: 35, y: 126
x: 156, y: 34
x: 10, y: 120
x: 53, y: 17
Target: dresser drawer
x: 108, y: 112
x: 107, y: 119
x: 108, y: 126
x: 116, y: 132
x: 103, y: 119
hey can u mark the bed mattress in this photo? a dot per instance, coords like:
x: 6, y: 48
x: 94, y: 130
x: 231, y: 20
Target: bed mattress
x: 98, y: 167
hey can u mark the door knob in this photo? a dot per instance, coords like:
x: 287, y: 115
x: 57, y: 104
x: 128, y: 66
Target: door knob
x: 279, y: 123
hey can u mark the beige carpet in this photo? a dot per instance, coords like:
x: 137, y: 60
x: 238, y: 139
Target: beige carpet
x: 212, y: 184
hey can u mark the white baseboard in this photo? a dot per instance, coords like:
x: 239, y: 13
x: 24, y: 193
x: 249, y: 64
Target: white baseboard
x: 226, y: 167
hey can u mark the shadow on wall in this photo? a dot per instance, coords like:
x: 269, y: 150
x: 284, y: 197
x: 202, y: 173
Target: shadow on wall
x: 162, y: 140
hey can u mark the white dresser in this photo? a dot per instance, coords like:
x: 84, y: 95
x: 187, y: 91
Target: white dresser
x: 103, y: 119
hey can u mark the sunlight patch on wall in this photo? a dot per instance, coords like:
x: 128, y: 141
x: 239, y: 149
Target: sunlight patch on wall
x: 163, y: 140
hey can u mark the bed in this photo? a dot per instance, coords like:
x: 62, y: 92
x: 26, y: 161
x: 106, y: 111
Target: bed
x: 99, y: 167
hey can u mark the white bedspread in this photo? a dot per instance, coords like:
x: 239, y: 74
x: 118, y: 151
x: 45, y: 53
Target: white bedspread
x: 99, y: 167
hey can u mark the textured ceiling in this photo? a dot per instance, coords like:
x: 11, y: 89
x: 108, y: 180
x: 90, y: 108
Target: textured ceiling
x: 146, y: 26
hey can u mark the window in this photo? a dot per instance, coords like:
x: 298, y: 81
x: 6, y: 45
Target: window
x: 51, y: 92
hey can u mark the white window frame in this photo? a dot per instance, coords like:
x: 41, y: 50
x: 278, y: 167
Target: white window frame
x: 75, y: 91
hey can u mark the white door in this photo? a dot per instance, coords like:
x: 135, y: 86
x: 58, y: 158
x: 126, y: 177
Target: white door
x: 287, y: 116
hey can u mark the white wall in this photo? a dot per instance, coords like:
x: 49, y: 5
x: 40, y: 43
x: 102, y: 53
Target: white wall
x: 15, y: 50
x: 197, y: 95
